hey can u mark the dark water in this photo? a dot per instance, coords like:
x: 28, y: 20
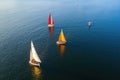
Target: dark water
x: 90, y: 52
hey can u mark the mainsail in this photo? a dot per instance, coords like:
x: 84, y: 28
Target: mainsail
x: 61, y: 36
x: 50, y: 19
x: 31, y: 56
x: 33, y: 53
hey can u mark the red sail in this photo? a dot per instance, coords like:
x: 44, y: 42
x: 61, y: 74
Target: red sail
x: 50, y: 20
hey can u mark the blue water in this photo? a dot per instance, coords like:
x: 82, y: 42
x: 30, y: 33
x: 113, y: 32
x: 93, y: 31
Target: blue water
x: 90, y: 52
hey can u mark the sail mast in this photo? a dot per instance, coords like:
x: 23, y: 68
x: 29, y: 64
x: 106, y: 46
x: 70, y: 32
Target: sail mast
x: 52, y: 22
x: 51, y: 19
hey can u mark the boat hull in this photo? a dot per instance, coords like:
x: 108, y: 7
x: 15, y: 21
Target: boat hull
x: 89, y: 23
x: 50, y: 25
x: 34, y: 64
x: 60, y: 42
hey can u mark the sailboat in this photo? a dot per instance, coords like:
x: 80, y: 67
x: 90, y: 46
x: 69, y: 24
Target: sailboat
x: 61, y: 39
x: 34, y: 58
x: 50, y: 21
x: 89, y: 23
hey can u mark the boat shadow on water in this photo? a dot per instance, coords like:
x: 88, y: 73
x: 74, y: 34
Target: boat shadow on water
x: 62, y: 49
x: 36, y: 72
x: 89, y: 27
x: 51, y: 30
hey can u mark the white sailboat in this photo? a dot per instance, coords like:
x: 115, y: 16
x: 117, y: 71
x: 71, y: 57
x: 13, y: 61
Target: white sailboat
x: 89, y: 23
x: 34, y: 58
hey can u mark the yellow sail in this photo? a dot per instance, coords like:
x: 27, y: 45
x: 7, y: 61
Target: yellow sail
x: 62, y: 37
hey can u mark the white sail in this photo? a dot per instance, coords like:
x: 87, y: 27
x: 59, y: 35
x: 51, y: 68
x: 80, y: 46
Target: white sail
x: 34, y: 53
x: 31, y: 56
x: 51, y: 20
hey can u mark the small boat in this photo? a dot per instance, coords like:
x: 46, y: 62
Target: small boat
x: 61, y: 39
x: 89, y: 23
x: 34, y: 58
x: 50, y: 21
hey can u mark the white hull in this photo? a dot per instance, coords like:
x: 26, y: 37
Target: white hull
x: 89, y: 23
x: 50, y: 25
x: 60, y: 43
x: 34, y: 64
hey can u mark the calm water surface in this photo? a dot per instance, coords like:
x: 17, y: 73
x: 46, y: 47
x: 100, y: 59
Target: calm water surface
x: 90, y: 52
